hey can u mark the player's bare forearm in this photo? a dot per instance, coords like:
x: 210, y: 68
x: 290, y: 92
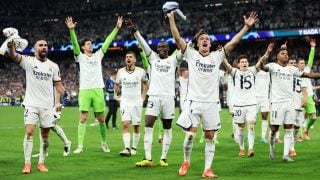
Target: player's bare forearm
x: 227, y: 65
x: 264, y: 58
x: 311, y: 75
x: 57, y: 97
x: 262, y: 61
x: 313, y: 44
x: 235, y: 40
x: 59, y: 87
x: 248, y: 22
x: 59, y: 90
x: 175, y: 32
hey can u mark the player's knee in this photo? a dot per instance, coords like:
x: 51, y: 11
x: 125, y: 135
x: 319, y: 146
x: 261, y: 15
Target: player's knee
x: 136, y: 129
x: 208, y: 134
x: 149, y: 124
x: 274, y: 128
x: 191, y: 135
x: 45, y: 136
x: 167, y: 123
x: 150, y: 121
x: 29, y: 133
x: 83, y: 117
x: 100, y: 117
x: 126, y: 125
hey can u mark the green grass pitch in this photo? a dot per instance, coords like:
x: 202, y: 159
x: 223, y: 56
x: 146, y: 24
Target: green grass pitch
x: 94, y: 164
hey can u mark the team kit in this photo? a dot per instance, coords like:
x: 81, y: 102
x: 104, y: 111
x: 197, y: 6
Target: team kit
x: 267, y: 88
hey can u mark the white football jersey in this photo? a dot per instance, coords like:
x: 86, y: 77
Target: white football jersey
x: 308, y: 82
x: 203, y: 75
x: 262, y: 84
x: 90, y: 70
x: 282, y: 82
x: 39, y: 82
x: 131, y: 87
x: 298, y: 84
x: 162, y: 75
x: 244, y: 86
x: 183, y: 87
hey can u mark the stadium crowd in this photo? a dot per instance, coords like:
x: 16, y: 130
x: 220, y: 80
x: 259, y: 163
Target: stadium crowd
x: 94, y: 14
x: 12, y: 78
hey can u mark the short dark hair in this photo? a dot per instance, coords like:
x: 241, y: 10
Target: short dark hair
x: 83, y: 42
x: 242, y: 57
x: 163, y: 41
x: 201, y: 33
x: 280, y: 49
x: 131, y: 52
x: 300, y: 59
x: 40, y: 39
x: 293, y: 58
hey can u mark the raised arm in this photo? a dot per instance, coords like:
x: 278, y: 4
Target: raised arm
x: 144, y: 58
x: 311, y: 75
x: 313, y: 44
x: 181, y: 43
x: 248, y: 22
x: 146, y: 48
x: 261, y: 63
x: 71, y: 25
x: 16, y: 57
x: 227, y: 65
x: 112, y: 35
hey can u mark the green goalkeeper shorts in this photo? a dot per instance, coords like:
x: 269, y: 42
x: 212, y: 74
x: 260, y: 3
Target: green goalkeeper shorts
x: 91, y: 98
x: 311, y: 106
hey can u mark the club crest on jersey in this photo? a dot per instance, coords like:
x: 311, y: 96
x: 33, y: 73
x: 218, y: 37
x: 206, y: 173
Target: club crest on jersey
x: 204, y: 67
